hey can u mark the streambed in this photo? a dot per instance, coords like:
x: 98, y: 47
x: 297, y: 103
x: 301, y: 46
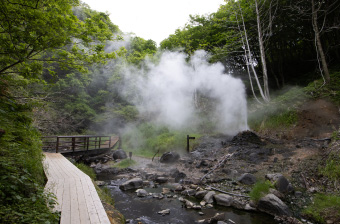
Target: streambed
x: 145, y: 209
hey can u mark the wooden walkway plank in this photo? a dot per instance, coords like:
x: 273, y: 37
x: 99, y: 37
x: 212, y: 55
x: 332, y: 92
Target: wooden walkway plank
x: 76, y: 195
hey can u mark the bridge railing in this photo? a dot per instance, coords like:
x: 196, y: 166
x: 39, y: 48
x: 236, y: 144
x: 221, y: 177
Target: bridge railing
x: 78, y: 143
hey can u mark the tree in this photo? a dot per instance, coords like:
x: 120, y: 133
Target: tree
x: 34, y: 32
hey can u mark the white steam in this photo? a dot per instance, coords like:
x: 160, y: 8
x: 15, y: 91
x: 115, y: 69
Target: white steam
x: 174, y: 92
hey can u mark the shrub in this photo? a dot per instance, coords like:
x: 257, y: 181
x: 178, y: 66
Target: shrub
x: 87, y: 170
x: 260, y: 189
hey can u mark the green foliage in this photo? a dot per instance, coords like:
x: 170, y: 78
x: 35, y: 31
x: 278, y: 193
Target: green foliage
x: 317, y: 89
x: 125, y: 163
x: 147, y: 139
x: 324, y: 207
x: 260, y: 189
x: 22, y: 180
x: 105, y: 194
x: 87, y: 170
x: 332, y: 167
x: 279, y: 113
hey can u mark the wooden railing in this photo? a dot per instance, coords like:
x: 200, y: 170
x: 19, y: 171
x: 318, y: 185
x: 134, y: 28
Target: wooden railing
x: 78, y: 143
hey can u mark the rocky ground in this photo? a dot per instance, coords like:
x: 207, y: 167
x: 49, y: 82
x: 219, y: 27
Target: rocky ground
x: 223, y: 169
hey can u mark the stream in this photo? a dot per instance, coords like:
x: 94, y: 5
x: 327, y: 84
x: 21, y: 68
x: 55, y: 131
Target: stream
x: 145, y: 209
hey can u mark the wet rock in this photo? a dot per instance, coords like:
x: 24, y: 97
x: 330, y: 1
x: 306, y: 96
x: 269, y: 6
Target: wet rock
x: 200, y: 194
x: 100, y: 183
x: 247, y: 179
x: 161, y: 180
x: 238, y: 204
x: 273, y: 205
x: 132, y: 184
x: 189, y: 204
x: 165, y: 190
x: 169, y: 157
x: 158, y: 195
x: 189, y: 192
x: 248, y: 207
x: 141, y: 193
x: 175, y: 173
x: 201, y: 213
x: 164, y: 212
x: 223, y: 199
x: 209, y: 197
x: 119, y: 154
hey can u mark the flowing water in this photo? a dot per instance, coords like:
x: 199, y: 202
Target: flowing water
x: 145, y: 209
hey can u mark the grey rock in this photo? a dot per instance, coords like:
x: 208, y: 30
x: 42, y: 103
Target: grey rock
x: 141, y: 193
x: 223, y: 199
x: 273, y: 176
x: 238, y: 204
x: 282, y: 184
x: 169, y: 157
x: 247, y: 179
x: 134, y: 183
x: 200, y: 194
x: 273, y: 205
x: 164, y: 212
x: 209, y: 197
x: 161, y: 180
x: 119, y: 154
x: 276, y: 193
x: 189, y: 192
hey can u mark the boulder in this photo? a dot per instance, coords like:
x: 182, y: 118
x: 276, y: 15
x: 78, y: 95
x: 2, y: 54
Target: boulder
x: 209, y: 197
x: 200, y: 194
x: 223, y: 199
x: 141, y: 193
x: 177, y: 175
x: 273, y: 176
x: 134, y: 183
x: 247, y: 179
x: 282, y: 184
x: 164, y: 212
x: 169, y: 157
x: 188, y: 192
x: 273, y: 205
x: 161, y: 180
x: 119, y: 154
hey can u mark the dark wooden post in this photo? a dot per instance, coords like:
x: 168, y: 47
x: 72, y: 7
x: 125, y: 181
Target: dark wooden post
x: 188, y: 138
x: 73, y: 143
x: 88, y: 143
x: 110, y: 142
x: 100, y: 139
x: 57, y: 145
x: 95, y: 143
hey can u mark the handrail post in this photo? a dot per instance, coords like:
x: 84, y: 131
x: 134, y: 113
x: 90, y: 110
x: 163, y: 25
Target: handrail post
x: 100, y: 138
x: 95, y: 143
x: 57, y: 145
x: 73, y: 143
x: 88, y: 142
x: 110, y: 142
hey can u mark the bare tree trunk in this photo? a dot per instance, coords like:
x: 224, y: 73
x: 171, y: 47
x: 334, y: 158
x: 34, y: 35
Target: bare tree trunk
x: 318, y: 43
x: 262, y: 53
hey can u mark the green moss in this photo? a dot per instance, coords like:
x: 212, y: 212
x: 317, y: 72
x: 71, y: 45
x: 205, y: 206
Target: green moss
x: 324, y: 207
x: 332, y: 167
x: 260, y: 189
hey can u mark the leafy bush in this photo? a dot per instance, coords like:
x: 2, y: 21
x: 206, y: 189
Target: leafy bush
x: 260, y: 189
x: 324, y: 207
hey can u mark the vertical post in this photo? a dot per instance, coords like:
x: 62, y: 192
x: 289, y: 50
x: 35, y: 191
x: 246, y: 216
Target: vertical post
x: 88, y: 143
x: 100, y: 138
x: 188, y: 138
x: 188, y: 150
x: 73, y: 143
x: 85, y: 138
x: 110, y: 142
x: 57, y: 145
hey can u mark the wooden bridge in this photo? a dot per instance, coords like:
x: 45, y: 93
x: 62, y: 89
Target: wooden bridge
x: 80, y: 143
x: 77, y: 197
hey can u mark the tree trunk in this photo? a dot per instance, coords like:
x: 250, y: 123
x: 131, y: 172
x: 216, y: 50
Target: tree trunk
x: 262, y: 53
x: 318, y: 43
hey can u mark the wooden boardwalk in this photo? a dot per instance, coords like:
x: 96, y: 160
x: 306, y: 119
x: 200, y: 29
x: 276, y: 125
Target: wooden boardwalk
x: 77, y: 197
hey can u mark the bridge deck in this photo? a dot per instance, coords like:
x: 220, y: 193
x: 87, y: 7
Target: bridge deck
x: 77, y: 197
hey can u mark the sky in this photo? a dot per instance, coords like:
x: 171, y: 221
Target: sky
x: 153, y: 19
